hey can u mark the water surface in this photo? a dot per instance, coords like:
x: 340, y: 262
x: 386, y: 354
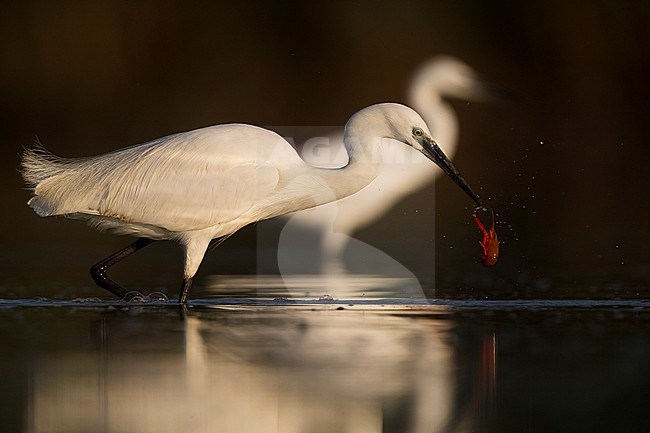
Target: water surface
x: 325, y: 365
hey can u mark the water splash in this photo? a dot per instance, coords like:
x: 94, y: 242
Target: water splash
x: 135, y: 297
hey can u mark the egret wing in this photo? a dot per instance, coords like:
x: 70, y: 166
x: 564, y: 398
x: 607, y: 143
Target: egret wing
x: 181, y: 200
x: 201, y: 179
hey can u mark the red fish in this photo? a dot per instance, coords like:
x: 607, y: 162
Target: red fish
x: 490, y: 242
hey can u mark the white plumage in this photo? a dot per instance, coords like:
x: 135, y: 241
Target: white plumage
x: 404, y: 171
x: 208, y: 183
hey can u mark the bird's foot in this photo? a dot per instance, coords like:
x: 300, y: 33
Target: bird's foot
x: 185, y: 290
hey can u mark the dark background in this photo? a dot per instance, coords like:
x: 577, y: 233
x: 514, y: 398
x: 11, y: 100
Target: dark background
x: 564, y: 164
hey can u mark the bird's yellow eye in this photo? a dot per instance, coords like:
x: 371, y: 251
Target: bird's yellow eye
x: 418, y: 132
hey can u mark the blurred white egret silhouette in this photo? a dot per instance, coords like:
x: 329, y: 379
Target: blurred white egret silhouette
x: 208, y: 183
x: 404, y: 172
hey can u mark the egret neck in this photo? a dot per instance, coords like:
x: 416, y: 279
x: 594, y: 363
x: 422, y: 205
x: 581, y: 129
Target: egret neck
x: 365, y: 161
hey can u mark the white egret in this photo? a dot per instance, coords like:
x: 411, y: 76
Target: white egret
x: 208, y: 183
x: 404, y: 171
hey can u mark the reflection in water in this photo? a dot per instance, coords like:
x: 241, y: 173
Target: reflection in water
x: 324, y: 367
x: 486, y: 383
x: 269, y: 372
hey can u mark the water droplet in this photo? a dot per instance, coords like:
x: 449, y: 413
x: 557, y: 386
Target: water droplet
x: 135, y: 297
x: 86, y: 300
x: 157, y: 297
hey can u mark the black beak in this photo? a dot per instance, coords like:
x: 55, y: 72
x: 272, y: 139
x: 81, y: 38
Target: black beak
x: 435, y: 154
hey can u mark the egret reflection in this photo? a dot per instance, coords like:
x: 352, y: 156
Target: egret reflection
x: 227, y: 367
x: 328, y: 371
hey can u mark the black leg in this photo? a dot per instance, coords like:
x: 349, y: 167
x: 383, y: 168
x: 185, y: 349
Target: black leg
x: 98, y: 271
x: 185, y: 289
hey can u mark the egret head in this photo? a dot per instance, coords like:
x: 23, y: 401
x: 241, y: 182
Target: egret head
x: 401, y: 123
x: 448, y: 77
